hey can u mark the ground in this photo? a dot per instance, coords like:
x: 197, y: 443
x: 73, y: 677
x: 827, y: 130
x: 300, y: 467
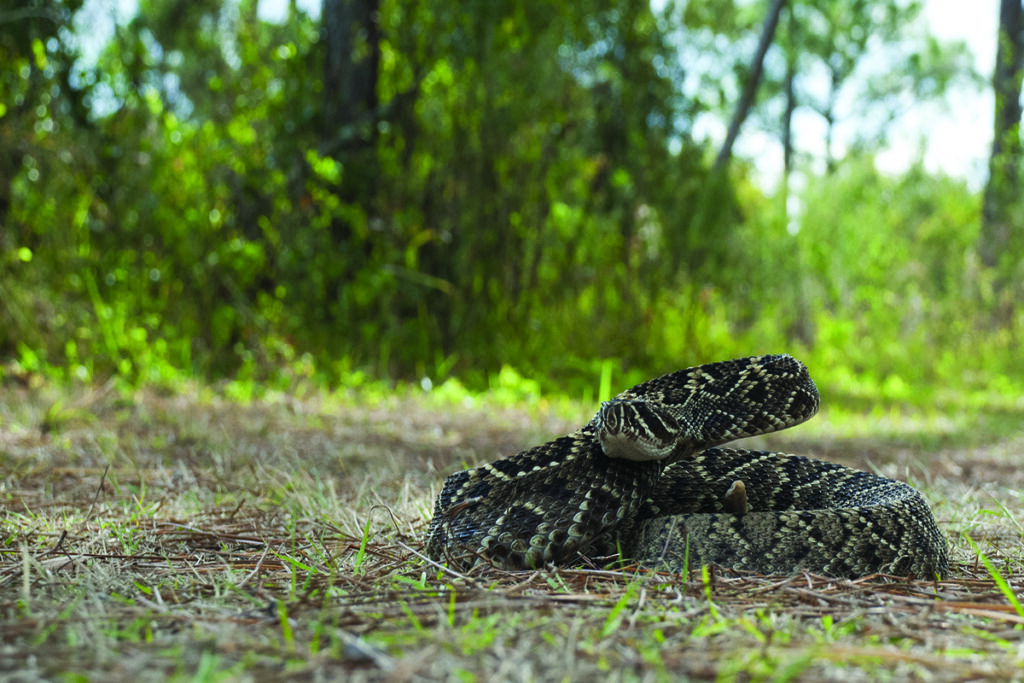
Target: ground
x: 184, y: 535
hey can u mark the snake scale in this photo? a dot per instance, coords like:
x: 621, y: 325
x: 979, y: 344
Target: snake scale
x: 646, y: 478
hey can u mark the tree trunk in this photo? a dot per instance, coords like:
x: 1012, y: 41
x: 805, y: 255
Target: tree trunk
x: 750, y: 87
x: 351, y: 65
x: 830, y: 120
x: 787, y: 122
x: 1004, y: 190
x: 787, y: 116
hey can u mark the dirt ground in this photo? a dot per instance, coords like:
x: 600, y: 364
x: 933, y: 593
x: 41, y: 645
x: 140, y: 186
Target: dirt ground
x: 153, y: 536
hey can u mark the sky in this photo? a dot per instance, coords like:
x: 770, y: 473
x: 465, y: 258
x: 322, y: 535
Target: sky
x: 952, y: 137
x: 961, y: 137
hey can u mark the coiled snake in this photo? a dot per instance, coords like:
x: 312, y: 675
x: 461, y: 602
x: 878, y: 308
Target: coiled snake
x: 645, y: 478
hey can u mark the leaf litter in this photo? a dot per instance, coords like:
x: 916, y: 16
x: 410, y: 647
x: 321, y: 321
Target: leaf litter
x: 187, y: 536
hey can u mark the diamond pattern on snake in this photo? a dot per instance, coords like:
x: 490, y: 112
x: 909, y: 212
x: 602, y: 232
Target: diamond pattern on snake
x: 647, y: 477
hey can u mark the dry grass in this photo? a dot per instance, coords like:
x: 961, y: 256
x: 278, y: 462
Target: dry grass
x: 154, y: 537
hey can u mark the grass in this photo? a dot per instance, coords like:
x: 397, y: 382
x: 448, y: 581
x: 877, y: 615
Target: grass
x: 185, y: 536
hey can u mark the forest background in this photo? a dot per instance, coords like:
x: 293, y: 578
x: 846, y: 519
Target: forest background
x: 470, y: 192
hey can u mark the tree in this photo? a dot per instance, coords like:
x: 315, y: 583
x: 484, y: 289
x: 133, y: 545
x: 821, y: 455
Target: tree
x: 42, y: 117
x: 351, y: 67
x: 818, y: 62
x: 34, y: 79
x: 399, y: 184
x: 1003, y: 191
x: 907, y: 66
x: 750, y: 86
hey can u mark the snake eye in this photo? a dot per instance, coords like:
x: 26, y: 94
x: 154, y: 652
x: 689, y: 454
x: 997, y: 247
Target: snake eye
x: 609, y: 415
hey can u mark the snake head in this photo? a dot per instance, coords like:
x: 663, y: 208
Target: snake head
x: 634, y: 429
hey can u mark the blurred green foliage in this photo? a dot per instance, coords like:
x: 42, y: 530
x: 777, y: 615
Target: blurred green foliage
x: 525, y: 193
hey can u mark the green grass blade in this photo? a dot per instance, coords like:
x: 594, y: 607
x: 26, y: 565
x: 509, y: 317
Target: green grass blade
x: 998, y: 578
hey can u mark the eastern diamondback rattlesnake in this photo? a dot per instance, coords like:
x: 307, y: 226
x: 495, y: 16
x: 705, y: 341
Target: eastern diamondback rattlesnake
x: 644, y: 478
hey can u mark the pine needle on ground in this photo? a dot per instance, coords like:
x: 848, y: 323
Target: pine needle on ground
x: 151, y: 537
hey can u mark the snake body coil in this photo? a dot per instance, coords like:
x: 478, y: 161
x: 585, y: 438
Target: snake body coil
x: 645, y: 477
